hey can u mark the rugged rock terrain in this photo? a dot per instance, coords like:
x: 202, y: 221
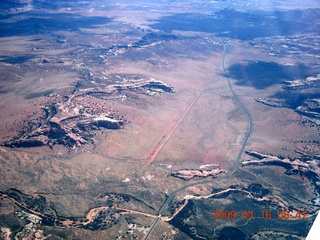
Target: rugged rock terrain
x: 73, y: 121
x: 305, y: 104
x: 308, y: 167
x: 300, y: 84
x: 189, y: 174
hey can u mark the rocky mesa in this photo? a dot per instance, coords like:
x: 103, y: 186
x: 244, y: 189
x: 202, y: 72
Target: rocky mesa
x: 72, y: 121
x: 189, y: 174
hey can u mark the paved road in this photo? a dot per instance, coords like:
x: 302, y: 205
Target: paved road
x: 235, y: 166
x: 244, y: 107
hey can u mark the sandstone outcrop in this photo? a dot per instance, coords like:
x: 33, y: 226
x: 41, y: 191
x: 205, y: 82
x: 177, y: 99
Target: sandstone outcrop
x: 73, y: 121
x: 308, y: 166
x: 299, y: 84
x: 189, y: 174
x: 306, y: 103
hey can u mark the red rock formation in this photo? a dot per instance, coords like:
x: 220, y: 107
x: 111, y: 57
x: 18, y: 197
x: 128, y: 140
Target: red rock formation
x: 72, y: 122
x: 189, y: 174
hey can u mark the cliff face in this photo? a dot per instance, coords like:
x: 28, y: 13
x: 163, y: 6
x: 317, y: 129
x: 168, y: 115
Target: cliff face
x: 189, y: 174
x: 299, y: 84
x: 67, y: 128
x: 306, y: 102
x: 141, y: 86
x: 73, y: 121
x: 307, y: 166
x: 268, y: 159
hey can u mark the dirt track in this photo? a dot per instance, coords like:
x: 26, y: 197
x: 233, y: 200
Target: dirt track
x: 164, y: 139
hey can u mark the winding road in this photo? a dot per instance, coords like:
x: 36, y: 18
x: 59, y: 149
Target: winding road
x: 235, y: 166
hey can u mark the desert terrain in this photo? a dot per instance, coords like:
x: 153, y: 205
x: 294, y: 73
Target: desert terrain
x: 143, y: 120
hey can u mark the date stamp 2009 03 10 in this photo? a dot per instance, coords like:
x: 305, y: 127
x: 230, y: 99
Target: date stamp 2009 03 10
x: 265, y: 214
